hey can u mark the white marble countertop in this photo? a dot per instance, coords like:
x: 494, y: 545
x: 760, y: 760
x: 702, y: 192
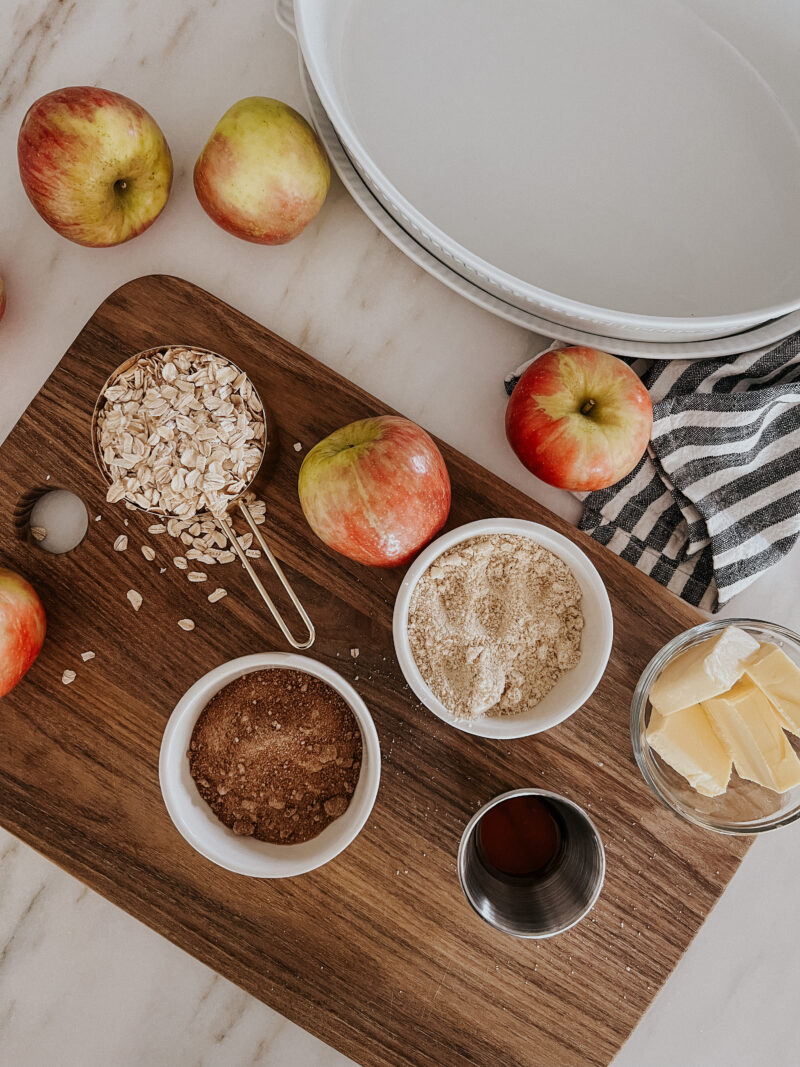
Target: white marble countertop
x: 80, y: 981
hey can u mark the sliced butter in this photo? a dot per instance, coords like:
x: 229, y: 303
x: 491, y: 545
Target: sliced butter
x: 778, y: 678
x: 704, y: 671
x: 686, y: 741
x: 749, y: 727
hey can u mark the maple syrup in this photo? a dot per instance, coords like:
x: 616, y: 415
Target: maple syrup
x: 520, y: 836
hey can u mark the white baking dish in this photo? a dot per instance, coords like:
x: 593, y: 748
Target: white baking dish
x: 757, y: 340
x: 623, y: 169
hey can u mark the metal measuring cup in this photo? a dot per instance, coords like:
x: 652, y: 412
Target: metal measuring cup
x: 236, y: 502
x: 540, y: 905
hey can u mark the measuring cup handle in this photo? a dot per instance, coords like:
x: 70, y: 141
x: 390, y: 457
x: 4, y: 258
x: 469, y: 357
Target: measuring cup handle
x: 248, y: 566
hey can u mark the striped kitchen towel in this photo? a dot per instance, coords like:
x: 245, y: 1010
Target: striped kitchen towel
x: 715, y: 501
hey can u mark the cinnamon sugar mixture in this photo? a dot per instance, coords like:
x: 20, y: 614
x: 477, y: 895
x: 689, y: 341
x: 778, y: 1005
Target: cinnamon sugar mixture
x: 276, y: 754
x: 493, y: 624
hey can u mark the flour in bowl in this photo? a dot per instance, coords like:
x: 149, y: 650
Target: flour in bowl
x: 493, y: 623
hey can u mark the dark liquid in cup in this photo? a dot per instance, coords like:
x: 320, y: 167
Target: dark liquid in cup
x: 520, y: 836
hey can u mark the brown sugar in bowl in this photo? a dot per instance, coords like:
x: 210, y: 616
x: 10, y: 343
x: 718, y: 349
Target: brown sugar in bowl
x: 243, y: 852
x: 276, y: 754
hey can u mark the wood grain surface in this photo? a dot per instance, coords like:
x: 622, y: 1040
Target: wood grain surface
x: 377, y: 953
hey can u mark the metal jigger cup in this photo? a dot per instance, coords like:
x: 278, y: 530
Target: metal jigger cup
x: 222, y: 521
x: 544, y: 904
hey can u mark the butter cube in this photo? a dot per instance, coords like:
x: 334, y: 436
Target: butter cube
x: 704, y: 671
x: 686, y: 741
x: 778, y: 678
x: 749, y: 728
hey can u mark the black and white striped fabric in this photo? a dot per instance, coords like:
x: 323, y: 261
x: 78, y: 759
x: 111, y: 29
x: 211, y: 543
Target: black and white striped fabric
x: 716, y: 500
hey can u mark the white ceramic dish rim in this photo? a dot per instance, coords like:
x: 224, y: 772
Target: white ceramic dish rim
x: 588, y: 577
x: 526, y: 295
x: 758, y: 341
x: 258, y: 859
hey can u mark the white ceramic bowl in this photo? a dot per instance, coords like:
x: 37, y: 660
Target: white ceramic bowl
x: 574, y: 687
x: 198, y: 824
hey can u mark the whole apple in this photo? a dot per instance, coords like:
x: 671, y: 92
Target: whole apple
x: 263, y: 175
x: 377, y: 490
x: 22, y: 627
x: 94, y: 164
x: 579, y: 419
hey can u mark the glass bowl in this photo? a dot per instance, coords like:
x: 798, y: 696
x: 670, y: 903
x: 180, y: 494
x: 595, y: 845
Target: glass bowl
x: 745, y: 808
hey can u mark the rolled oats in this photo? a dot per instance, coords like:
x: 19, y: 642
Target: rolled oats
x: 178, y: 435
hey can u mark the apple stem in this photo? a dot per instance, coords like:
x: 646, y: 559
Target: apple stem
x: 587, y: 406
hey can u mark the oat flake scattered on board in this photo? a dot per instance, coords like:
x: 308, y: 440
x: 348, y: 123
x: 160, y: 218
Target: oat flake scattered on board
x: 68, y: 676
x: 186, y: 624
x: 298, y: 447
x: 121, y: 543
x: 38, y: 533
x: 86, y: 656
x: 218, y: 594
x: 180, y: 562
x: 135, y: 599
x: 148, y: 552
x: 197, y: 576
x: 354, y: 653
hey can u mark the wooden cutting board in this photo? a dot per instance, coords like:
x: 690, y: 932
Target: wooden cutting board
x: 377, y: 953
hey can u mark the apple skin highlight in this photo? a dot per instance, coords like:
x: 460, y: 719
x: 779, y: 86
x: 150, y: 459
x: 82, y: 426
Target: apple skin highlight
x: 377, y: 490
x: 579, y: 419
x: 94, y: 164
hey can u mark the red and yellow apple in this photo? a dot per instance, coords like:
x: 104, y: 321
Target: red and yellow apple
x: 376, y: 490
x: 94, y: 165
x: 22, y: 627
x: 263, y: 175
x: 579, y: 419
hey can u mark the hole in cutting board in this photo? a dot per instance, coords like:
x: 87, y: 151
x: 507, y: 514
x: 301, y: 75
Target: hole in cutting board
x: 55, y: 520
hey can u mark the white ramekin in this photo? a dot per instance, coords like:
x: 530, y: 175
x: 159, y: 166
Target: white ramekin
x: 198, y: 824
x: 574, y: 687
